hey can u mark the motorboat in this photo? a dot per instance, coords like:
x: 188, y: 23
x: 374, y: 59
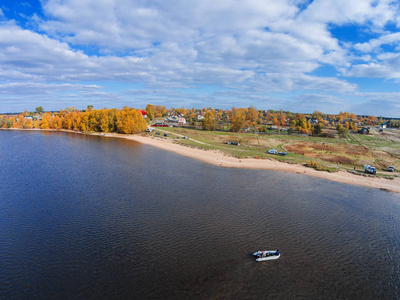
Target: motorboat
x: 266, y: 255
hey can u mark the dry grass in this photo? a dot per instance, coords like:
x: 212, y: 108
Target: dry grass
x: 344, y: 154
x: 377, y: 149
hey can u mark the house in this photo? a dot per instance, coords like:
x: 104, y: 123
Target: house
x: 200, y: 117
x: 160, y: 123
x: 312, y: 121
x: 364, y: 130
x: 181, y: 120
x: 144, y: 114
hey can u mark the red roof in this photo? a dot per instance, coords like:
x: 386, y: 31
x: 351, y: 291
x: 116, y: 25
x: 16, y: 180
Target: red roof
x: 143, y: 113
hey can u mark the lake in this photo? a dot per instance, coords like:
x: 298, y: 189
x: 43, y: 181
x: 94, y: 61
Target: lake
x: 100, y: 218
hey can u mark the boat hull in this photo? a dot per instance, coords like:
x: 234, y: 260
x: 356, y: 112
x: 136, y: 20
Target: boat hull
x: 268, y: 258
x: 266, y: 255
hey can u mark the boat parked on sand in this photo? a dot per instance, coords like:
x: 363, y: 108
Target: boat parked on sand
x: 267, y: 255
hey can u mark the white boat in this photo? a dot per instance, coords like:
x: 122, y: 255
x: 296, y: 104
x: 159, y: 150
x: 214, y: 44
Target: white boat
x: 267, y: 255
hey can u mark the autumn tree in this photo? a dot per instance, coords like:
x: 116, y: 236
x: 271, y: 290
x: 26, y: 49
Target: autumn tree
x: 150, y: 111
x: 83, y: 124
x: 45, y: 123
x: 160, y: 111
x: 104, y: 121
x: 341, y: 130
x: 252, y: 114
x: 238, y: 119
x: 209, y: 122
x: 130, y: 121
x: 56, y: 122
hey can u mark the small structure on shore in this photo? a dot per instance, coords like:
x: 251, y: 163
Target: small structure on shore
x: 233, y: 143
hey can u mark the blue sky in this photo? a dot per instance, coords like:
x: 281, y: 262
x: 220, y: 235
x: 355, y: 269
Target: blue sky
x: 297, y: 55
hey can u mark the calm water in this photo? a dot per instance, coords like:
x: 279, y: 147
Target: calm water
x: 90, y: 217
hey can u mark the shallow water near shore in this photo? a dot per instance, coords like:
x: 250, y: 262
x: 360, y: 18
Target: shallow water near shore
x: 91, y: 217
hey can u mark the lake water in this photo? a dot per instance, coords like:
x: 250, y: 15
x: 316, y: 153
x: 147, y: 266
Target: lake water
x: 99, y: 218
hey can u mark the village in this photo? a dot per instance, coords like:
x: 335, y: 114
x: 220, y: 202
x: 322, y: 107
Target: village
x: 363, y: 145
x: 358, y: 144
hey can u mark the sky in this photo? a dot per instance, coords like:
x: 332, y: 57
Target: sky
x: 296, y: 55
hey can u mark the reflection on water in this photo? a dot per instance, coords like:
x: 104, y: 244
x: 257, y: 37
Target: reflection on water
x: 91, y: 217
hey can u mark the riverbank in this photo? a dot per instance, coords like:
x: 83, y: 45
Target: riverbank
x: 220, y: 159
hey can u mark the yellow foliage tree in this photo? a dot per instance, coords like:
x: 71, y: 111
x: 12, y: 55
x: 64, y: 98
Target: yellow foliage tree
x: 238, y: 119
x: 45, y: 123
x: 209, y: 122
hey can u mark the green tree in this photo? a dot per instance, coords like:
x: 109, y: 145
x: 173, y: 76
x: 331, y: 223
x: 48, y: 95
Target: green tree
x: 341, y: 130
x: 317, y: 129
x: 39, y: 110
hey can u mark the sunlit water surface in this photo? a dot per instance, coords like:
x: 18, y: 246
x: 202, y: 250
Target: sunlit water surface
x: 91, y: 217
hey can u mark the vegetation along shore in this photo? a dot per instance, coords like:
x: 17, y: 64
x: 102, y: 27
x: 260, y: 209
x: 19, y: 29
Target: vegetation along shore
x: 333, y: 147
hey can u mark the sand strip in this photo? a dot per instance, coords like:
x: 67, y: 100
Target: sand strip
x: 220, y: 159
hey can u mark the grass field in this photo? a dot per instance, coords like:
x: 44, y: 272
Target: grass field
x: 380, y: 149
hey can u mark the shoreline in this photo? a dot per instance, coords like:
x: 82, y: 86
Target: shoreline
x: 218, y: 158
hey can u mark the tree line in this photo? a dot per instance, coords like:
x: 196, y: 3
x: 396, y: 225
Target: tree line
x: 130, y: 120
x: 126, y: 120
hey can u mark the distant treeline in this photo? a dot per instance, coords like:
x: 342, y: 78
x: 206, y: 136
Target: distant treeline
x: 126, y: 120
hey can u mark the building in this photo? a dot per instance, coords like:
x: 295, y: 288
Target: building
x: 364, y: 130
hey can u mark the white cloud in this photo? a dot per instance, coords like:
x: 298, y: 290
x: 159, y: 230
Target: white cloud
x: 138, y: 24
x: 379, y: 104
x: 372, y: 45
x: 385, y: 66
x: 326, y: 103
x: 31, y: 88
x: 359, y: 11
x: 286, y: 83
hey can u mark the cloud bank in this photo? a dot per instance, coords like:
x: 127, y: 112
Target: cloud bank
x: 200, y: 53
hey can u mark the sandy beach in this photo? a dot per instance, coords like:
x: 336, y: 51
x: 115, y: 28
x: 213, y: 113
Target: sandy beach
x: 220, y: 159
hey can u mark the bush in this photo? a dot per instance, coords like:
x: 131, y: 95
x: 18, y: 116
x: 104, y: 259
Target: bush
x: 312, y: 164
x: 318, y: 167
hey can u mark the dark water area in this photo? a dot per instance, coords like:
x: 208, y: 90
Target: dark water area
x: 99, y: 218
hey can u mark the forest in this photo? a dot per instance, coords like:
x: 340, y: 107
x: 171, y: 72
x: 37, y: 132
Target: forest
x: 126, y: 120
